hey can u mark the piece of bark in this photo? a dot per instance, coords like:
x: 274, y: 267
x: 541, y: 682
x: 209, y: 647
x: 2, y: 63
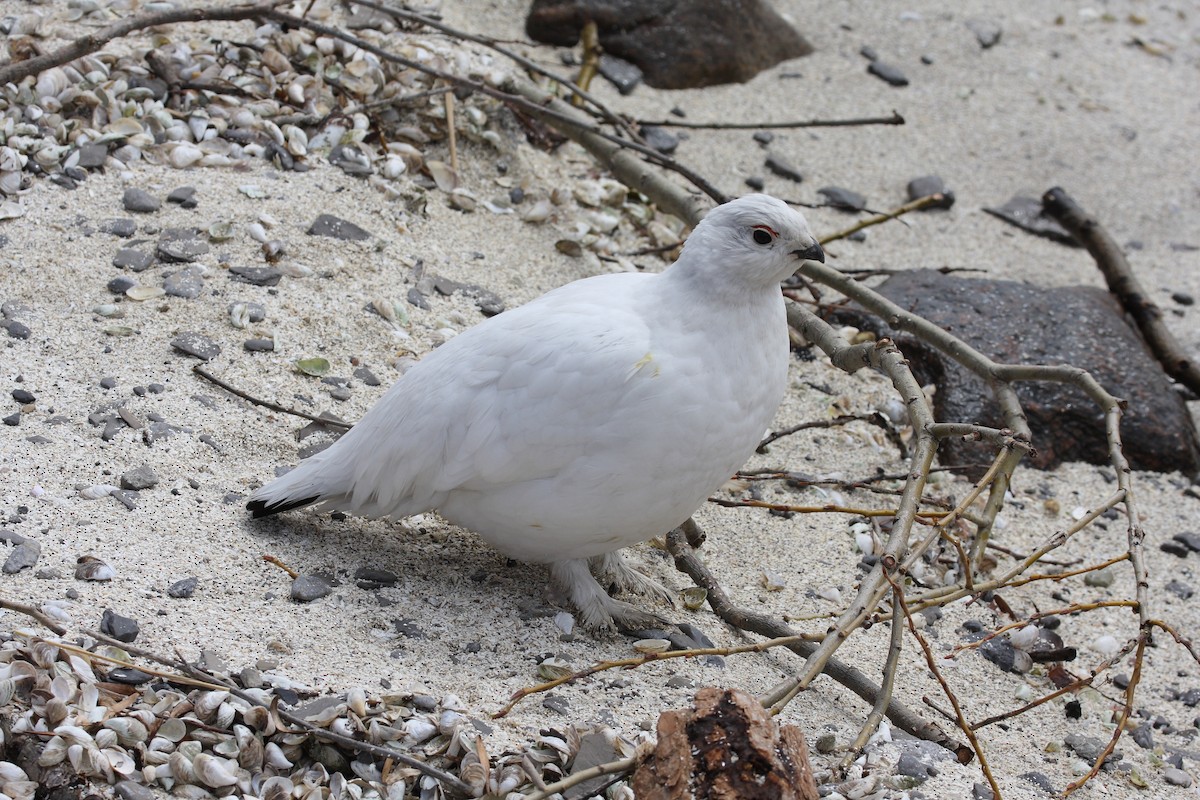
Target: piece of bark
x: 726, y: 747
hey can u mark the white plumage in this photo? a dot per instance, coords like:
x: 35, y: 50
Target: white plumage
x: 595, y: 417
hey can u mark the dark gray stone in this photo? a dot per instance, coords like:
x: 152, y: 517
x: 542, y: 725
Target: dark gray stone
x: 131, y: 259
x: 678, y: 44
x: 366, y: 376
x: 1016, y: 323
x: 625, y: 75
x: 130, y: 790
x: 1143, y: 735
x: 23, y: 396
x: 196, y: 344
x: 124, y: 227
x: 307, y: 588
x: 23, y: 556
x: 350, y: 160
x: 843, y: 199
x: 337, y: 228
x: 123, y: 629
x: 184, y: 197
x: 913, y: 767
x: 782, y: 167
x: 660, y: 139
x: 557, y: 704
x: 409, y: 628
x: 181, y: 245
x: 1089, y: 748
x: 987, y: 32
x: 888, y: 73
x: 92, y: 156
x: 16, y: 329
x: 12, y: 420
x: 256, y: 311
x: 375, y: 578
x: 1183, y: 298
x: 1177, y: 777
x: 927, y: 185
x: 1180, y: 589
x: 763, y: 137
x: 183, y: 588
x: 1175, y: 548
x: 981, y: 791
x: 187, y: 283
x: 594, y: 749
x: 756, y: 183
x: 140, y: 201
x: 120, y: 285
x: 259, y: 345
x: 256, y: 276
x: 1039, y: 780
x: 126, y: 497
x: 139, y: 478
x: 1189, y: 540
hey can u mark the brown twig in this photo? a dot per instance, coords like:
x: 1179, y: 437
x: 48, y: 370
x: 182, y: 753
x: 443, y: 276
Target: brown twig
x: 839, y: 420
x: 894, y: 119
x: 277, y: 562
x: 33, y: 613
x: 333, y: 423
x: 828, y: 508
x: 1122, y: 283
x: 913, y: 205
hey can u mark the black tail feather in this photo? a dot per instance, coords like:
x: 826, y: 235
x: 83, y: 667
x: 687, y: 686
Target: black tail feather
x: 260, y: 508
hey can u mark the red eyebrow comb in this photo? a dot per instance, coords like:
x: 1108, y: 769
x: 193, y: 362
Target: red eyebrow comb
x: 766, y: 228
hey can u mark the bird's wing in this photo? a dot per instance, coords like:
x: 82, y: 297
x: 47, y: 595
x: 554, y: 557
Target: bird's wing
x: 515, y: 399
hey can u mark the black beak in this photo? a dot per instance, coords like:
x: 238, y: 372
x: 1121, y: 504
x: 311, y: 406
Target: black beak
x: 814, y: 253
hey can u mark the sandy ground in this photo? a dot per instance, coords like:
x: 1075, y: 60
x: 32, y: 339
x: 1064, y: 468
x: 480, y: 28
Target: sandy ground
x: 1065, y: 99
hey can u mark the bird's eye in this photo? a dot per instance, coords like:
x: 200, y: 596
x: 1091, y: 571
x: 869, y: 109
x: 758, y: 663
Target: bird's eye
x: 763, y: 235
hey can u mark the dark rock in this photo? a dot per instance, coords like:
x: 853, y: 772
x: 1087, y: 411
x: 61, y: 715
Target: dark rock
x: 92, y: 156
x: 843, y: 199
x: 374, y: 578
x: 1027, y: 214
x: 1189, y: 540
x: 184, y: 197
x: 1001, y: 653
x: 1190, y: 698
x: 1143, y: 735
x: 12, y: 420
x: 557, y: 704
x: 350, y: 160
x: 307, y: 588
x: 913, y: 767
x: 196, y: 344
x: 140, y: 201
x: 1180, y: 589
x: 126, y: 497
x: 366, y: 376
x: 123, y: 629
x: 108, y: 383
x: 23, y: 396
x: 417, y: 298
x: 1016, y: 323
x: 981, y: 791
x: 763, y: 137
x: 678, y: 44
x: 16, y: 329
x: 926, y: 185
x: 594, y: 749
x: 1183, y: 298
x: 181, y: 245
x: 130, y: 676
x: 888, y: 73
x: 1089, y: 748
x: 124, y: 227
x: 987, y: 32
x: 256, y: 276
x: 187, y: 283
x: 157, y: 86
x: 409, y: 628
x: 1175, y: 548
x: 660, y: 139
x: 1177, y: 777
x: 1039, y: 780
x: 23, y: 556
x: 756, y: 183
x: 133, y: 260
x: 329, y: 225
x: 868, y: 52
x: 183, y: 588
x: 259, y: 345
x: 782, y: 167
x: 620, y: 73
x: 139, y: 478
x: 341, y: 394
x: 120, y: 285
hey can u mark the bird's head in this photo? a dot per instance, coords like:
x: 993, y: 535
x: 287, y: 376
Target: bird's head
x: 755, y: 240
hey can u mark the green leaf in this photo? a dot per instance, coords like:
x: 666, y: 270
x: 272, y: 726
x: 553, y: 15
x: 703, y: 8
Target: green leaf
x: 313, y: 366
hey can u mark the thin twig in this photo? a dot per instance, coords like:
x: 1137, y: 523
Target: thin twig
x: 828, y: 508
x: 913, y: 205
x: 33, y: 613
x: 609, y: 768
x: 894, y: 119
x: 333, y: 423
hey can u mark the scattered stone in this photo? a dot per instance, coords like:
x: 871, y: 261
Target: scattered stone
x: 594, y: 749
x: 196, y: 344
x: 913, y: 767
x: 1177, y: 777
x: 987, y: 32
x: 370, y: 578
x: 1027, y: 214
x: 126, y: 497
x: 133, y: 260
x: 1039, y: 780
x: 183, y: 588
x: 763, y: 137
x: 123, y: 629
x: 181, y: 245
x: 23, y: 556
x: 140, y: 201
x: 259, y: 345
x: 255, y: 312
x: 184, y: 197
x: 620, y: 73
x: 782, y: 167
x: 366, y: 376
x: 256, y: 276
x: 660, y: 139
x: 756, y: 183
x: 139, y: 478
x: 1175, y: 548
x: 120, y: 285
x: 124, y: 227
x: 843, y: 199
x: 1023, y: 324
x: 1180, y: 589
x: 981, y: 791
x: 1190, y: 698
x: 350, y: 160
x: 131, y: 676
x: 1189, y: 540
x: 927, y: 185
x: 92, y: 156
x: 742, y: 747
x: 409, y: 628
x: 1089, y: 748
x: 23, y: 396
x: 307, y: 588
x: 1183, y: 298
x: 15, y: 329
x: 678, y: 45
x: 187, y: 283
x: 557, y: 704
x: 1144, y: 736
x: 129, y: 790
x: 12, y: 420
x: 329, y: 225
x: 108, y: 383
x: 868, y: 52
x: 887, y: 73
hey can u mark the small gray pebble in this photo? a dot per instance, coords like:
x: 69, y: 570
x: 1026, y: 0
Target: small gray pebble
x: 196, y: 344
x: 108, y: 383
x: 558, y: 704
x: 1143, y: 735
x: 782, y: 167
x: 868, y: 52
x: 366, y: 376
x: 256, y: 276
x: 187, y: 283
x: 183, y: 588
x: 341, y: 394
x: 123, y: 227
x: 23, y: 396
x: 307, y: 588
x: 1177, y: 777
x: 1180, y: 589
x: 660, y: 139
x: 257, y: 311
x: 1039, y: 780
x: 17, y: 330
x: 826, y: 743
x: 981, y: 791
x: 424, y: 702
x: 844, y: 199
x: 680, y: 682
x: 927, y: 185
x: 48, y: 574
x: 129, y: 790
x: 912, y: 766
x: 12, y: 420
x: 126, y: 497
x: 337, y: 228
x: 120, y: 285
x: 259, y: 345
x: 139, y: 478
x: 1189, y: 540
x: 140, y: 201
x: 987, y: 32
x: 181, y: 244
x: 123, y: 629
x: 184, y: 197
x: 251, y: 678
x: 622, y: 74
x: 1183, y: 298
x: 22, y: 556
x: 763, y: 137
x: 132, y: 260
x: 888, y: 73
x: 92, y: 156
x: 756, y: 183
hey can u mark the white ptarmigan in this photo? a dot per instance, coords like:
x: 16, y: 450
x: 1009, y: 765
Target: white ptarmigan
x: 595, y: 417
